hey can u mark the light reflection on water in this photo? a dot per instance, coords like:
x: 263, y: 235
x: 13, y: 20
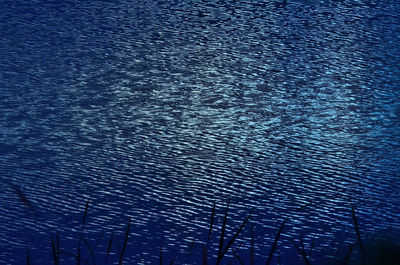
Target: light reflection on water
x: 156, y: 111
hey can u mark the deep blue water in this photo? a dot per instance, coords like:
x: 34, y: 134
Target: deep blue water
x: 153, y: 110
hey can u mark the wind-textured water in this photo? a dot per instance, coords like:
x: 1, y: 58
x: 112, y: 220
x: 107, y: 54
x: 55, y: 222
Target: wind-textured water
x: 154, y: 110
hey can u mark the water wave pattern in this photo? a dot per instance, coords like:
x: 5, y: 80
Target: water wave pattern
x: 153, y: 110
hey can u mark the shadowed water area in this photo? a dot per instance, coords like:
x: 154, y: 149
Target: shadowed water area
x: 153, y: 110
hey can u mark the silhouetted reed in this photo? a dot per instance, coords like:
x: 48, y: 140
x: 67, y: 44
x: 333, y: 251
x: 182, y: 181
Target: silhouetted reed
x: 55, y: 247
x: 221, y: 249
x: 89, y: 248
x: 225, y: 245
x: 221, y: 238
x: 302, y: 251
x: 252, y: 246
x: 236, y: 235
x: 278, y: 234
x: 356, y: 227
x: 205, y: 255
x: 211, y: 223
x: 346, y: 259
x: 109, y: 247
x: 85, y: 215
x: 28, y: 257
x: 121, y: 255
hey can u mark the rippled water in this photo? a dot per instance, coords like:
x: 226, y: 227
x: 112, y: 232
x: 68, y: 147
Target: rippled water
x: 153, y: 110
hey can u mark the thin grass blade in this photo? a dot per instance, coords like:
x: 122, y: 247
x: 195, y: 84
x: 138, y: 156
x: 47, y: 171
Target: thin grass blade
x: 252, y: 246
x: 211, y: 223
x: 235, y: 236
x: 221, y: 239
x: 85, y: 215
x: 346, y: 259
x: 312, y: 246
x: 121, y: 256
x: 89, y: 248
x: 28, y: 257
x: 191, y: 246
x: 360, y: 243
x: 109, y: 246
x: 205, y: 258
x: 278, y: 234
x: 238, y: 258
x: 54, y: 251
x: 302, y: 252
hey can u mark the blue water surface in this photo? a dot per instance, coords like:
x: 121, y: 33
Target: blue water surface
x: 154, y: 110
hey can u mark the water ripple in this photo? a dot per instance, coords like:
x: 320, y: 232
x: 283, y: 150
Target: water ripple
x: 154, y: 110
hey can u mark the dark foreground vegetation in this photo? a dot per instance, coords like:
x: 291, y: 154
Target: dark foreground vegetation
x: 380, y: 252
